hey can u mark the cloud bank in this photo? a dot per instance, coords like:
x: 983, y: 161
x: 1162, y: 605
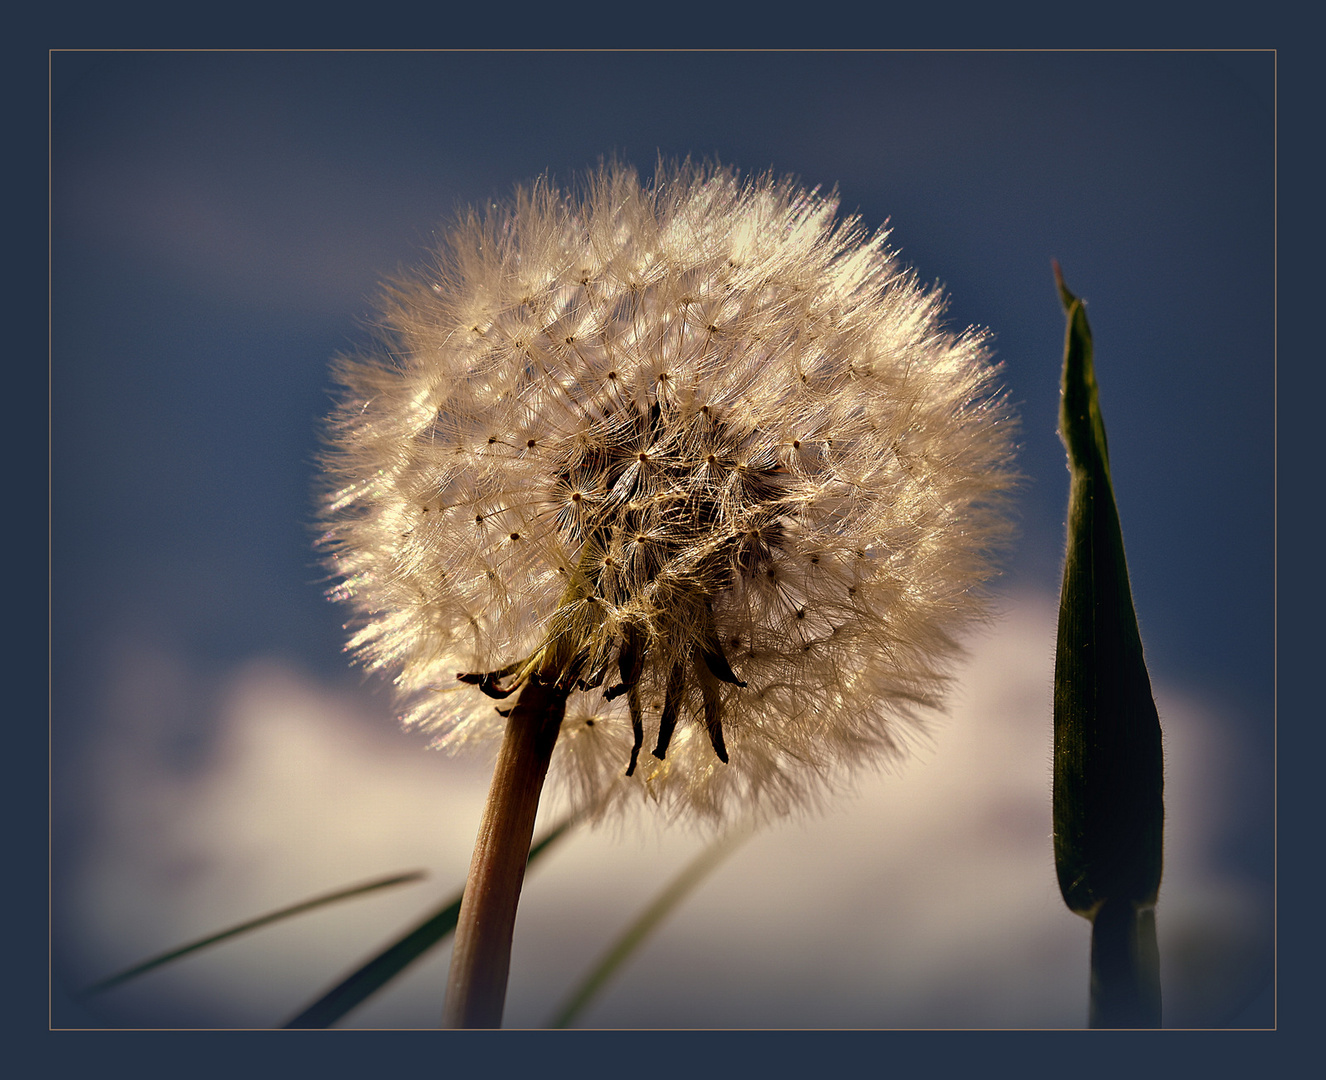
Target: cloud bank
x: 926, y: 898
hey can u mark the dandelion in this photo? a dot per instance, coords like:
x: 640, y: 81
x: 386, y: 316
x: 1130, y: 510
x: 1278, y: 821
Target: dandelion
x: 690, y: 473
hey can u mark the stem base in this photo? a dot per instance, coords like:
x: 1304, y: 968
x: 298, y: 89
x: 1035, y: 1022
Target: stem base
x: 481, y: 959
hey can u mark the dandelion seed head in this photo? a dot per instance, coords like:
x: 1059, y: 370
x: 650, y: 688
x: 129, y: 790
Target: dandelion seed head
x: 699, y: 451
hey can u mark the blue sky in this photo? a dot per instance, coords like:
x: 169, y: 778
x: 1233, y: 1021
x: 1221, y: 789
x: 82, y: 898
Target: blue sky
x: 220, y: 223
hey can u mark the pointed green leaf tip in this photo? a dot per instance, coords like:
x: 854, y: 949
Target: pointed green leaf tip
x: 1108, y: 769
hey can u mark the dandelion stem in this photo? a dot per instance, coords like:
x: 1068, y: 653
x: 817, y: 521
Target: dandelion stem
x: 1125, y: 968
x: 481, y: 959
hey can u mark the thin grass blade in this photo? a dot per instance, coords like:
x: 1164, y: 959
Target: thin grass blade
x: 635, y: 934
x: 369, y: 979
x: 251, y: 924
x: 1108, y: 770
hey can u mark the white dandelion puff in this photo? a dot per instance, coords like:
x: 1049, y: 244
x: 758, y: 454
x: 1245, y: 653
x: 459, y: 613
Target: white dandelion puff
x: 698, y: 455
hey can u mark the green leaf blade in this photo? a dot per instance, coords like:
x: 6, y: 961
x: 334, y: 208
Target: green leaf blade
x: 367, y: 980
x: 355, y: 989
